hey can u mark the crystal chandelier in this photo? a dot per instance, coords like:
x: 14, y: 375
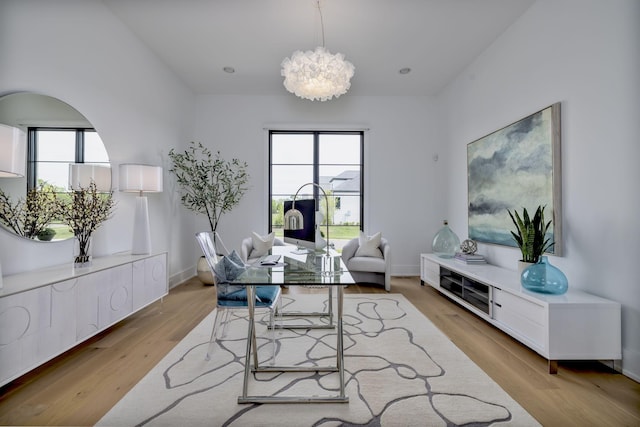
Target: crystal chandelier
x: 317, y: 74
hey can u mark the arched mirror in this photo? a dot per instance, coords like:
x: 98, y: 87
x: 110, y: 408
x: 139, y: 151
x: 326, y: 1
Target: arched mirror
x: 57, y: 135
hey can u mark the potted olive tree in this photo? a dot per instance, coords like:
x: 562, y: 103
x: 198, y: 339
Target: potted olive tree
x: 531, y: 235
x: 209, y: 184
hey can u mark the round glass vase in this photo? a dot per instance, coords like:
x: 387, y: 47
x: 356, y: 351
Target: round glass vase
x: 445, y: 242
x: 544, y: 278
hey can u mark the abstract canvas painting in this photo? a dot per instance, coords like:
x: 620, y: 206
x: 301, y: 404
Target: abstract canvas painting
x: 516, y: 167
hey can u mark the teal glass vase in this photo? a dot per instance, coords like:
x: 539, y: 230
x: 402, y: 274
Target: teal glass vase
x: 544, y: 278
x: 445, y: 242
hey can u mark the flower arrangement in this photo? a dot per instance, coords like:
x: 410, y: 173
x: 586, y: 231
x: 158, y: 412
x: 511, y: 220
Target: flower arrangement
x: 84, y: 212
x: 210, y: 184
x: 531, y: 234
x: 31, y: 216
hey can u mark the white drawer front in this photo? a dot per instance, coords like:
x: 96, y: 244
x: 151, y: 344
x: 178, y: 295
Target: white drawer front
x: 533, y: 312
x: 430, y: 272
x: 521, y: 316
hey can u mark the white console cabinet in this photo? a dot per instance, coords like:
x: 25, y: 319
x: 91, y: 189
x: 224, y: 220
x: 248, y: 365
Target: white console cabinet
x: 48, y: 311
x: 572, y: 326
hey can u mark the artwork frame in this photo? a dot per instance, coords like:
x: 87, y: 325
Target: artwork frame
x: 516, y: 167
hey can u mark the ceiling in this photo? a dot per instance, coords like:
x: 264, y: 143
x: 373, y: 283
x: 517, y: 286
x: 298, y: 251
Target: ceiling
x: 436, y: 39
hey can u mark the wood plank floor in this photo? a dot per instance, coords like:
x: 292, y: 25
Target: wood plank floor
x: 80, y: 386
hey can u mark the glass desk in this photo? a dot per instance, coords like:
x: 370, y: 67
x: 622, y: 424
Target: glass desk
x: 296, y: 269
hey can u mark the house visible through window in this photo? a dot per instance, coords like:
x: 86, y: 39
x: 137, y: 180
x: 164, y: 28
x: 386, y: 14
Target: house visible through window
x: 334, y: 161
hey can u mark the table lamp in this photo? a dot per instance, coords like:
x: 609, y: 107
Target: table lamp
x: 13, y: 145
x: 140, y: 179
x: 81, y: 175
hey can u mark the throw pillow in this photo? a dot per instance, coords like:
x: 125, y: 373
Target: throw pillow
x: 261, y: 244
x: 369, y: 245
x: 227, y: 269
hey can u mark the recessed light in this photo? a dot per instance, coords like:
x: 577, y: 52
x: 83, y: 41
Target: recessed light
x: 405, y: 70
x: 229, y: 70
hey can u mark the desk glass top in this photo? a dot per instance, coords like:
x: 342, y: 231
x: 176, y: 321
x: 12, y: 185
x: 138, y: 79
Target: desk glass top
x: 315, y: 268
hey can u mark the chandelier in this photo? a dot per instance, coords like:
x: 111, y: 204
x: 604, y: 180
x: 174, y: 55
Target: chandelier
x: 317, y: 74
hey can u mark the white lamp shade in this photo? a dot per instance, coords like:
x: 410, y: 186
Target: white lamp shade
x: 82, y: 174
x: 137, y: 178
x: 13, y: 146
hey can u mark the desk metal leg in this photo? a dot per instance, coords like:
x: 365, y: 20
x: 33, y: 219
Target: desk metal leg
x: 328, y: 313
x: 251, y: 341
x: 340, y: 344
x: 252, y: 348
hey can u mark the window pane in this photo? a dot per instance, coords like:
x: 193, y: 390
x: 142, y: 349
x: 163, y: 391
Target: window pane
x: 94, y: 149
x: 339, y: 149
x: 292, y: 148
x: 56, y: 145
x: 346, y: 210
x: 287, y: 179
x: 55, y: 173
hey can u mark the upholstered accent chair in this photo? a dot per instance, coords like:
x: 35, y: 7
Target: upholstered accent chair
x: 230, y: 297
x: 369, y: 260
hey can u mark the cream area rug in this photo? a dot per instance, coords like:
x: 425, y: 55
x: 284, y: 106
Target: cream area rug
x: 400, y: 370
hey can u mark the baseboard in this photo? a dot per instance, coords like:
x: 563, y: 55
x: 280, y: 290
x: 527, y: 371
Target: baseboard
x: 181, y: 277
x: 631, y: 364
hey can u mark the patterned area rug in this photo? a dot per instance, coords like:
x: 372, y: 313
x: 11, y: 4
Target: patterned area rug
x: 400, y: 370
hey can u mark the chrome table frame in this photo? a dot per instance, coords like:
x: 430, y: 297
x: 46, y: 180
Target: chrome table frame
x: 252, y: 350
x: 252, y: 364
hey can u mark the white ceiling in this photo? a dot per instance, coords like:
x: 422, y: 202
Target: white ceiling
x: 437, y: 39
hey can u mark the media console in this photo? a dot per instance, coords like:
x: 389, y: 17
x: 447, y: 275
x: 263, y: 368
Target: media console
x: 572, y: 326
x: 48, y: 311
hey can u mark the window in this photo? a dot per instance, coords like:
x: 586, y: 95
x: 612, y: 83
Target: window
x: 51, y: 150
x: 334, y: 161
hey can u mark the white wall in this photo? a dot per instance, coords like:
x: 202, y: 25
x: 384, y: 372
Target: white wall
x: 585, y: 55
x: 79, y: 52
x: 400, y: 178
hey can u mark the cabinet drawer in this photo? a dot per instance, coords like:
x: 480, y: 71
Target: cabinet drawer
x: 430, y: 272
x: 521, y: 316
x: 524, y: 308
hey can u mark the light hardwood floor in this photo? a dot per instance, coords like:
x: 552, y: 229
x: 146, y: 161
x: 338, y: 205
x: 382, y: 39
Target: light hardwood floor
x: 80, y: 386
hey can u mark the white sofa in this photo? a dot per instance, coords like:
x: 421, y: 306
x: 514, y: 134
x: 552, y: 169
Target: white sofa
x: 369, y: 269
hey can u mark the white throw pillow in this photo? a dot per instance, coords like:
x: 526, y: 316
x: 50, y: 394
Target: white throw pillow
x: 261, y: 244
x: 369, y: 245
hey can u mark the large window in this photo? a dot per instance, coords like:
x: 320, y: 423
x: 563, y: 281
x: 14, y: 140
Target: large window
x: 333, y: 160
x: 51, y: 150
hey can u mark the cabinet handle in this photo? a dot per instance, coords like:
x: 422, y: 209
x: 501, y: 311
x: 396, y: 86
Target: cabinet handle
x: 498, y: 304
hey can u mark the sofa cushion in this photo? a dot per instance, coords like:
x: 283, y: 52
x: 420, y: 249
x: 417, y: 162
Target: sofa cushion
x: 261, y: 244
x: 366, y: 263
x: 369, y: 246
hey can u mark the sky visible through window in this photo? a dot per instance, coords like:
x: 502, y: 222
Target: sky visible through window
x: 56, y: 149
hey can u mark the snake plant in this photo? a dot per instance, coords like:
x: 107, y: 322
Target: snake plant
x: 531, y: 234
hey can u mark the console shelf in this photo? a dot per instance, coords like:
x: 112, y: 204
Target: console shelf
x: 572, y: 326
x: 48, y: 311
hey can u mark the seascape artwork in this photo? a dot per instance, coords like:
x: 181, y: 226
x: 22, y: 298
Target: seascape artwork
x: 515, y: 167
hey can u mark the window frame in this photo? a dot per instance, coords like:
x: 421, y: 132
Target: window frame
x: 316, y: 167
x: 32, y: 150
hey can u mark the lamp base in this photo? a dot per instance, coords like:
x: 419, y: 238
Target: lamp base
x: 141, y: 233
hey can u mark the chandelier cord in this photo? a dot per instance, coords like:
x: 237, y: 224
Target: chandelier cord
x: 321, y: 22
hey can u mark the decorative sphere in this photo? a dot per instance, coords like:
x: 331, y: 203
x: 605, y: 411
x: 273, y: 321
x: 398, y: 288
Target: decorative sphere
x: 469, y: 246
